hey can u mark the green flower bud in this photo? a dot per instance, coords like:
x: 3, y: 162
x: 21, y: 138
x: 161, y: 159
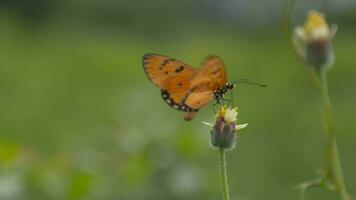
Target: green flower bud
x: 313, y: 41
x: 223, y: 134
x: 319, y: 54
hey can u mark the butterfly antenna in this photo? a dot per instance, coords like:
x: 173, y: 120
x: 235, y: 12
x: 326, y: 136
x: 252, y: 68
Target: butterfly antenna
x: 244, y: 79
x: 249, y: 82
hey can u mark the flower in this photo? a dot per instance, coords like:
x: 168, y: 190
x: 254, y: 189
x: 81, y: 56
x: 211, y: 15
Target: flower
x: 229, y: 114
x: 221, y: 112
x: 313, y: 40
x: 223, y: 132
x: 315, y: 28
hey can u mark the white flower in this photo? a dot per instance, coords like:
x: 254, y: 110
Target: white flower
x: 230, y: 115
x: 315, y: 28
x: 312, y: 41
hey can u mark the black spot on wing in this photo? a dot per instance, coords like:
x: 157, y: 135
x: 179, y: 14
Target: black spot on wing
x: 166, y: 61
x: 179, y: 69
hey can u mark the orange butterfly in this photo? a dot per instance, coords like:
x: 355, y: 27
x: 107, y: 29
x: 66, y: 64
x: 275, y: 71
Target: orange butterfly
x: 186, y: 88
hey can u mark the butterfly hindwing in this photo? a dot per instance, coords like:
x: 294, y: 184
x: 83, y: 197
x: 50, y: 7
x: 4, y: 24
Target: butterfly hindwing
x: 195, y: 101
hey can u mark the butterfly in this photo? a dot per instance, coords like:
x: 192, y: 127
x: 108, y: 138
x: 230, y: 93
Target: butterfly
x: 186, y: 88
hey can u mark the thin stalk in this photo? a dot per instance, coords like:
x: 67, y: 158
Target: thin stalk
x: 223, y: 172
x: 287, y: 18
x: 334, y: 169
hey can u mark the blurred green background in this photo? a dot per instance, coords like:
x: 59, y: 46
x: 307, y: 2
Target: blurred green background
x: 80, y: 120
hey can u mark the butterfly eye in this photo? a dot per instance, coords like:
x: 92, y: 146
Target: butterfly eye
x: 232, y: 86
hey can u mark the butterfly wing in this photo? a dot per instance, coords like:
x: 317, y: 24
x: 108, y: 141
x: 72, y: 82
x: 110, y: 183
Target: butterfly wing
x: 182, y: 86
x: 212, y: 74
x: 197, y: 100
x: 171, y: 76
x: 159, y: 68
x: 210, y: 77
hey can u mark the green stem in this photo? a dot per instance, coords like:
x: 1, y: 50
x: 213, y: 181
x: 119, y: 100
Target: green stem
x: 334, y: 169
x: 287, y: 17
x: 223, y: 172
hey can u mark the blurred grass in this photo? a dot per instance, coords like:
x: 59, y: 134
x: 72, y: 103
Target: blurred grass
x: 80, y: 120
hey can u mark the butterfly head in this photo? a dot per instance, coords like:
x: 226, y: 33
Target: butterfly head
x: 231, y: 86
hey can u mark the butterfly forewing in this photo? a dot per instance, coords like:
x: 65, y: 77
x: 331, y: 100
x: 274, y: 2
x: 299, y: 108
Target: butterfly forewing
x: 178, y: 87
x: 159, y: 68
x: 172, y: 77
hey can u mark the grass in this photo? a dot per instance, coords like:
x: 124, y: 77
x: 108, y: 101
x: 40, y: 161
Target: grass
x: 80, y: 120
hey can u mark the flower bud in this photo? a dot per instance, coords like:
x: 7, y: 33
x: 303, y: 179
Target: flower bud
x: 314, y: 40
x: 223, y: 134
x: 319, y: 54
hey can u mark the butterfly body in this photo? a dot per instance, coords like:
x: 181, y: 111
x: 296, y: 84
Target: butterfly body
x: 219, y: 94
x: 186, y: 88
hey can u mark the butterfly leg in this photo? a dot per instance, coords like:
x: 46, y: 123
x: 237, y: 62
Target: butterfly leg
x: 232, y: 98
x: 213, y: 108
x: 227, y: 100
x: 217, y: 99
x: 217, y: 102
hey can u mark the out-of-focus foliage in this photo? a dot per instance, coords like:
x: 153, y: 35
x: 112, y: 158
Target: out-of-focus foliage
x: 80, y: 120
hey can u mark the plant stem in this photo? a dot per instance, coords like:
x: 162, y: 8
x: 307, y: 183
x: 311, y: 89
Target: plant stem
x: 223, y: 172
x: 333, y: 168
x: 287, y: 18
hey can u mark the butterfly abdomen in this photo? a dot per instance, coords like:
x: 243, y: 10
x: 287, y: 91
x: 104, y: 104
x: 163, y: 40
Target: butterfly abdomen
x: 179, y: 106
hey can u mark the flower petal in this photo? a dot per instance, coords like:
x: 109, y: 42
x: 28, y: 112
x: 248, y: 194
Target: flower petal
x: 316, y: 27
x: 208, y: 124
x: 299, y: 33
x: 230, y: 115
x: 333, y: 29
x: 241, y: 126
x: 221, y: 112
